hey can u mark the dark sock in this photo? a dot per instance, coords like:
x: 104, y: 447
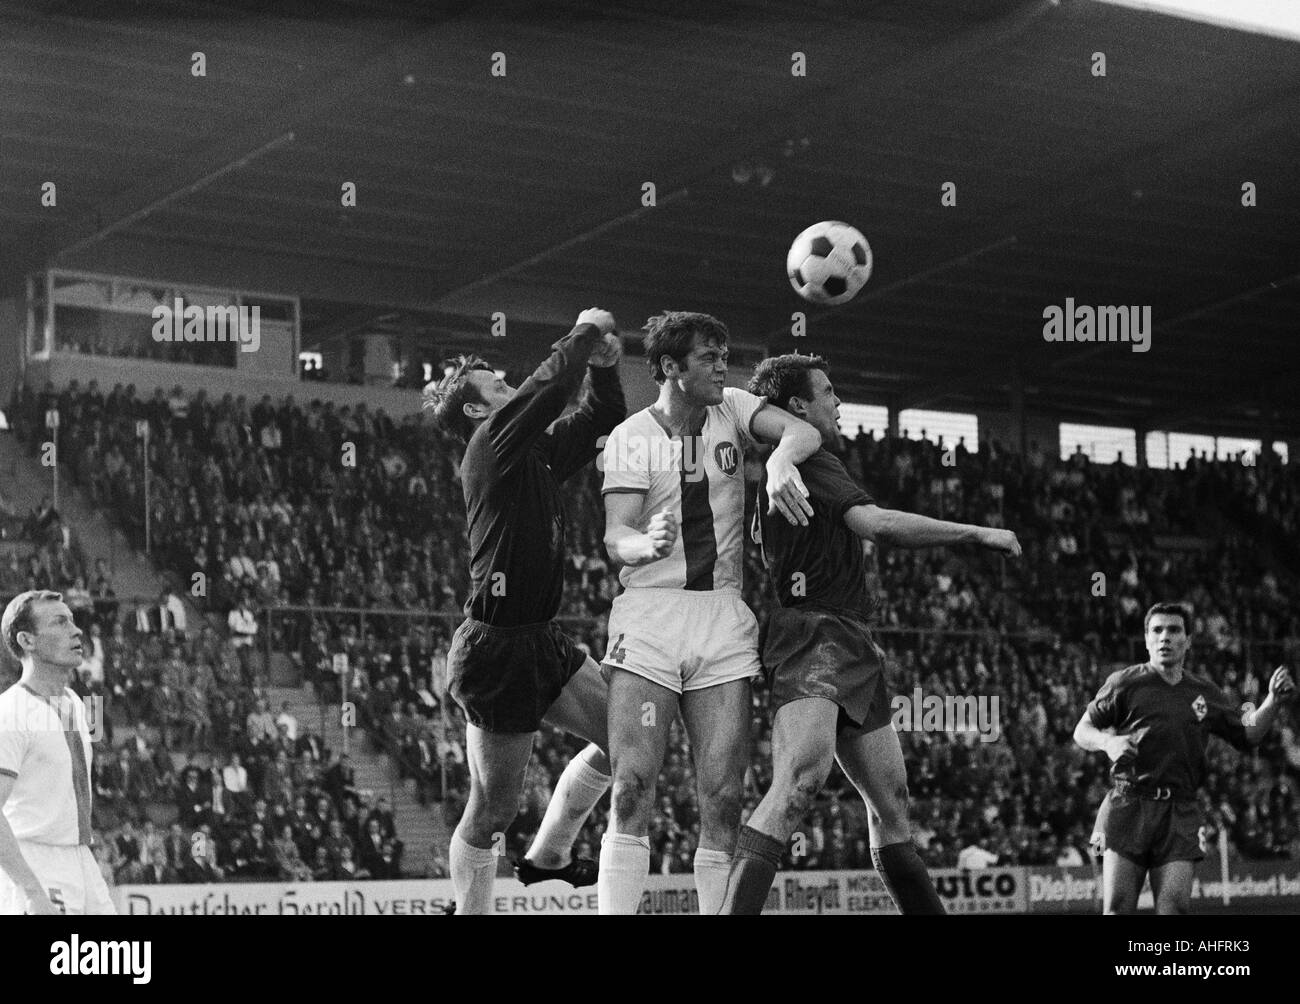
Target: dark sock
x: 906, y: 879
x: 753, y: 867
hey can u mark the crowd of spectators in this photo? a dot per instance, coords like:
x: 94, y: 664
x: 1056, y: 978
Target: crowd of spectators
x: 281, y: 503
x: 283, y: 809
x: 1029, y: 797
x: 275, y: 503
x: 208, y: 783
x: 213, y: 784
x: 399, y: 687
x: 1149, y: 533
x: 41, y: 552
x: 84, y: 331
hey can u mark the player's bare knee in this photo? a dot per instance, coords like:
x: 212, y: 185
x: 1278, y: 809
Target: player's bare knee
x: 475, y: 826
x: 631, y: 796
x: 890, y: 816
x: 813, y: 770
x: 798, y: 801
x: 720, y: 808
x: 494, y: 810
x: 725, y: 812
x: 799, y: 789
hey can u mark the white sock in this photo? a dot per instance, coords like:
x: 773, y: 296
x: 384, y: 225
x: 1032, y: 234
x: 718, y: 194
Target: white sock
x: 473, y: 870
x: 624, y: 865
x: 711, y: 871
x: 576, y: 794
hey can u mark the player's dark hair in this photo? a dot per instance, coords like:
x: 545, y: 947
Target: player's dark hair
x: 447, y: 396
x: 1183, y: 610
x: 673, y: 332
x: 20, y: 615
x: 779, y: 378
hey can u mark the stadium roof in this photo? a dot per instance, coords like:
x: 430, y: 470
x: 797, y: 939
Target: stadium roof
x: 522, y: 193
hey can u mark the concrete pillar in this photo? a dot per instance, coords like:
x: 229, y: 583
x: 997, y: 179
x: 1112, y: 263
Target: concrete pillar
x: 13, y: 330
x: 334, y: 357
x: 379, y: 361
x: 1019, y: 436
x: 1267, y: 422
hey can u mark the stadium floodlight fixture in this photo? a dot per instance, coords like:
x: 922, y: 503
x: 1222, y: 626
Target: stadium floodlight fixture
x: 1265, y: 17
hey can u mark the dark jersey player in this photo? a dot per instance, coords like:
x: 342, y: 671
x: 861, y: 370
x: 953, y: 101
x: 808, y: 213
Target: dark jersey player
x: 510, y: 667
x: 1154, y: 721
x: 826, y: 673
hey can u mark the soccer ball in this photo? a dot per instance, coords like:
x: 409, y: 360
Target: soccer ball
x: 829, y: 262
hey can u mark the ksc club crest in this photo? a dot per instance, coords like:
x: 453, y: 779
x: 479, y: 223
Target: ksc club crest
x: 1200, y: 707
x: 727, y: 457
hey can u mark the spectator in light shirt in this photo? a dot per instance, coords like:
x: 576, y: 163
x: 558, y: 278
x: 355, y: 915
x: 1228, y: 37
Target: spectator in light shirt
x: 289, y: 722
x: 243, y: 634
x: 973, y: 855
x: 1068, y: 856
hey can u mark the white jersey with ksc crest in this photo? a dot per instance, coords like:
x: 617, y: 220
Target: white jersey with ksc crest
x: 701, y: 478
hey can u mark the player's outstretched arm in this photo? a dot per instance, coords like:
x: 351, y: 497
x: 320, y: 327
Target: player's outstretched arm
x: 1281, y: 690
x: 12, y: 862
x: 1094, y: 740
x: 906, y: 529
x: 541, y: 398
x: 795, y: 441
x: 577, y: 437
x: 626, y: 543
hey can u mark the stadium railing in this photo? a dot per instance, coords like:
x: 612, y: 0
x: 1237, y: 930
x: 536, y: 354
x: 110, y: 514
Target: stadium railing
x: 286, y: 630
x: 1254, y: 655
x: 381, y: 618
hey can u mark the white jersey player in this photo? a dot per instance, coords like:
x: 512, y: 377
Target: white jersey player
x: 46, y: 865
x: 680, y: 635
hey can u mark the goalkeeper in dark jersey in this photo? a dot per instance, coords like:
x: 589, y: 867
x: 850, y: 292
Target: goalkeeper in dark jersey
x: 1153, y: 721
x: 510, y: 667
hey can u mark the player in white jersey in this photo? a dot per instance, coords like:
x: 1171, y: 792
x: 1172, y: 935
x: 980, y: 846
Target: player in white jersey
x: 46, y: 866
x: 680, y: 635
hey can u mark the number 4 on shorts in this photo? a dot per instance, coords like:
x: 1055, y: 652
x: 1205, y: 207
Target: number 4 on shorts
x: 617, y: 653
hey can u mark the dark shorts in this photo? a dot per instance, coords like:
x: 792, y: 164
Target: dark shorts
x: 1148, y: 832
x: 505, y: 678
x: 814, y: 652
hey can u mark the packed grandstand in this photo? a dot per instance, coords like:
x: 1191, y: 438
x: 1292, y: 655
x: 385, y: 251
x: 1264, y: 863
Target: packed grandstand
x: 200, y: 779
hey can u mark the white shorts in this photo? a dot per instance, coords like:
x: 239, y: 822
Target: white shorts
x: 69, y: 875
x: 683, y: 639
